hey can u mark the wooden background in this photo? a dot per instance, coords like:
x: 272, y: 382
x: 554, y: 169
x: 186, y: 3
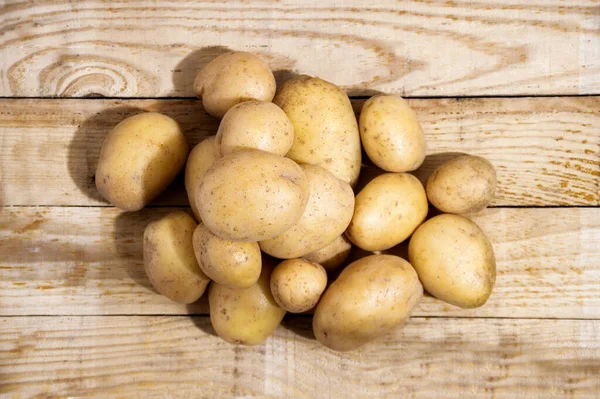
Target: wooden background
x: 515, y: 81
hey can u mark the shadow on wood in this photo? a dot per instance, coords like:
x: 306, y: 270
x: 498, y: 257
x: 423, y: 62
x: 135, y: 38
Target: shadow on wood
x: 185, y: 72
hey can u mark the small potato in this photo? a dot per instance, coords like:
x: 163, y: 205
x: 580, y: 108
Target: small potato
x: 232, y: 263
x: 169, y: 258
x: 391, y: 134
x: 231, y: 79
x: 462, y: 185
x: 297, y: 284
x: 252, y: 195
x: 454, y: 260
x: 201, y: 158
x: 333, y: 255
x: 255, y: 124
x: 387, y: 211
x: 139, y: 158
x: 369, y: 298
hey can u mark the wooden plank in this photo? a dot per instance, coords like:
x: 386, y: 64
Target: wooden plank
x: 546, y: 150
x: 88, y: 261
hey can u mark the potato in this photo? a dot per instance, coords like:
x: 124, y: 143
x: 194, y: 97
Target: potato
x: 325, y: 128
x: 333, y: 255
x: 201, y: 158
x: 297, y: 284
x: 169, y: 258
x: 139, y: 158
x: 454, y: 260
x: 369, y: 298
x: 233, y: 78
x: 255, y: 124
x: 464, y: 184
x: 245, y: 316
x: 391, y: 134
x: 252, y: 195
x: 329, y: 210
x: 232, y: 263
x: 387, y: 211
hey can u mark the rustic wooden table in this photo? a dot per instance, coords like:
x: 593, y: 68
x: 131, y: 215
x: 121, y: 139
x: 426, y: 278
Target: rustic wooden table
x: 515, y: 81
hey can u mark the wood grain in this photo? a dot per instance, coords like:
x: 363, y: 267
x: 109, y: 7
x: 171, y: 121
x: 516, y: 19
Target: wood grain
x: 415, y: 48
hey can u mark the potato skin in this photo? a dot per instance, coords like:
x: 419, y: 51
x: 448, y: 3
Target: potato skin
x: 169, y: 258
x: 454, y: 260
x: 333, y: 255
x: 232, y: 78
x: 369, y: 298
x: 465, y: 184
x: 139, y: 158
x: 387, y: 211
x: 201, y: 158
x: 297, y: 284
x: 325, y: 128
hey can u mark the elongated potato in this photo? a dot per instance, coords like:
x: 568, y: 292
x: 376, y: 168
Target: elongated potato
x: 201, y: 158
x: 333, y: 255
x: 297, y: 284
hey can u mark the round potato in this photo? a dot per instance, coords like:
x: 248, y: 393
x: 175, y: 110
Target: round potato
x: 454, y: 260
x: 333, y: 255
x: 169, y: 258
x: 297, y: 284
x: 139, y: 158
x: 369, y: 298
x: 233, y: 78
x: 201, y: 158
x: 391, y: 134
x: 252, y: 195
x: 465, y: 184
x: 255, y: 124
x: 327, y: 214
x: 325, y: 128
x: 226, y: 262
x: 387, y: 211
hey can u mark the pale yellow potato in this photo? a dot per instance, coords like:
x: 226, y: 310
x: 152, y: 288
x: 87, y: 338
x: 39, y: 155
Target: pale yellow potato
x: 369, y: 298
x: 325, y: 127
x: 391, y: 134
x: 387, y: 211
x: 233, y: 263
x: 327, y: 214
x: 139, y: 158
x: 333, y: 255
x: 252, y: 195
x: 454, y: 260
x: 232, y: 78
x: 201, y: 158
x: 169, y: 258
x: 297, y: 284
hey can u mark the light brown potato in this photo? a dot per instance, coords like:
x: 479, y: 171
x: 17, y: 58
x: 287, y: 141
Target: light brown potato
x: 465, y: 184
x: 201, y: 158
x: 327, y: 214
x: 169, y: 258
x: 454, y: 260
x: 255, y: 125
x: 369, y: 298
x: 232, y: 263
x: 387, y: 211
x: 325, y: 128
x: 233, y: 78
x: 333, y: 255
x: 252, y: 195
x: 297, y: 284
x: 391, y: 134
x: 139, y: 158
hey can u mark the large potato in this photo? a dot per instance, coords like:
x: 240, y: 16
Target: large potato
x: 327, y: 214
x: 169, y: 258
x: 297, y: 284
x: 387, y: 211
x: 454, y: 260
x: 325, y: 128
x: 139, y: 158
x: 333, y: 255
x: 231, y: 79
x: 201, y: 158
x: 252, y: 195
x: 369, y: 298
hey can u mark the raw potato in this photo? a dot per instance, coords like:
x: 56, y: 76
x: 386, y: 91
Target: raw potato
x: 387, y: 211
x: 169, y: 258
x: 252, y: 195
x: 231, y: 79
x: 464, y: 184
x: 391, y: 134
x: 297, y: 284
x: 140, y: 157
x: 325, y: 128
x: 255, y: 124
x: 232, y: 263
x: 454, y: 260
x: 333, y: 255
x: 369, y: 298
x: 201, y: 158
x: 328, y: 213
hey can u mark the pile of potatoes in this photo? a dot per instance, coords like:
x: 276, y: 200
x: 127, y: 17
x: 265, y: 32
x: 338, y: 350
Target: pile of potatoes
x: 275, y: 212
